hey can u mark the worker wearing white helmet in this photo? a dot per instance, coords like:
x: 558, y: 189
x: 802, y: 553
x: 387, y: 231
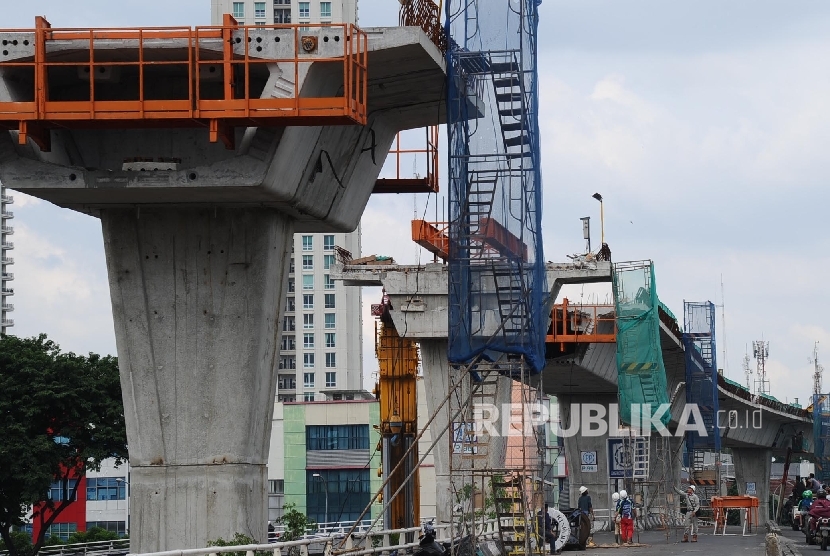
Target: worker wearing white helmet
x: 587, y: 507
x: 692, y: 503
x: 625, y: 510
x: 615, y: 498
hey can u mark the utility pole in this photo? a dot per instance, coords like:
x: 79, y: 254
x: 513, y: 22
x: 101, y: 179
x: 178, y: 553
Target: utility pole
x: 817, y: 370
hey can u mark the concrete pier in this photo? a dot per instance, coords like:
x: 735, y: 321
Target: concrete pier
x: 198, y: 243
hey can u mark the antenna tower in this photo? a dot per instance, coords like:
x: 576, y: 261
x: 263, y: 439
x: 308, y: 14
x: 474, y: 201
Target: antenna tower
x: 818, y: 369
x: 760, y: 351
x: 747, y: 372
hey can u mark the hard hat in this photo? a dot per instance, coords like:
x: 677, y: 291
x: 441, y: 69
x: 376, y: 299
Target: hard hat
x: 615, y: 496
x: 623, y: 494
x: 692, y: 488
x: 583, y: 489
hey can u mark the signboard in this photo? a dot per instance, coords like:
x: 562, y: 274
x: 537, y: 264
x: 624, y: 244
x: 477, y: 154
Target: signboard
x: 588, y: 461
x: 464, y: 439
x: 619, y: 459
x: 750, y: 489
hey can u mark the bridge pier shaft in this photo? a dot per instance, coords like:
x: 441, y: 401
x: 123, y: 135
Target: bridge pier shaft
x: 753, y: 465
x: 197, y: 296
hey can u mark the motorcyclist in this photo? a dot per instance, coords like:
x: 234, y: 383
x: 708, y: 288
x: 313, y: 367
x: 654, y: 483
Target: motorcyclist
x: 806, y: 501
x: 428, y: 545
x: 820, y: 508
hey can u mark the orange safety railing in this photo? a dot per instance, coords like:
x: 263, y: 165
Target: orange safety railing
x: 579, y: 324
x: 213, y: 77
x: 426, y: 184
x: 721, y: 504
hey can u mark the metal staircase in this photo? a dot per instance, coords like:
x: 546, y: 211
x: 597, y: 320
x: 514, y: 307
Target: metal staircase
x: 518, y: 537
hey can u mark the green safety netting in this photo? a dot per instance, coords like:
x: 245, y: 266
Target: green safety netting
x: 640, y: 372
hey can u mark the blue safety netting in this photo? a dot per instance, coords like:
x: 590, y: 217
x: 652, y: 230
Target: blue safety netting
x: 821, y: 435
x: 701, y: 372
x: 641, y: 374
x: 497, y: 289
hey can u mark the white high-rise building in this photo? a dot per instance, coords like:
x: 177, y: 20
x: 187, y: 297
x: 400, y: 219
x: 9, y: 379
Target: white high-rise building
x: 268, y: 12
x: 321, y: 348
x: 6, y: 276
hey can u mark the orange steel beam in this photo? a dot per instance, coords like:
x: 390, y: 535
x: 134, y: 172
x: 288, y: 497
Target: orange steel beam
x: 501, y: 239
x: 33, y: 117
x: 432, y: 236
x: 567, y: 321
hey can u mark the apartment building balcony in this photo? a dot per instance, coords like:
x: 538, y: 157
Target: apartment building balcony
x: 6, y: 260
x: 7, y: 245
x: 7, y: 199
x: 8, y: 230
x: 7, y: 276
x: 6, y: 291
x: 7, y: 307
x: 6, y: 214
x: 6, y: 322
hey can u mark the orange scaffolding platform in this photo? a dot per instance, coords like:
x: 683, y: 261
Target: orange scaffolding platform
x: 579, y: 324
x: 212, y: 77
x: 416, y: 184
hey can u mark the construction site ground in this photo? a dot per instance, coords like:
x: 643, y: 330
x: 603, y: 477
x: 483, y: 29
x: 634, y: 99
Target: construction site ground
x: 653, y: 543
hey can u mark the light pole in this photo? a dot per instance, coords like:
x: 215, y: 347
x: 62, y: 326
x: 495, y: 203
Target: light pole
x: 326, y: 487
x: 598, y: 197
x: 119, y: 480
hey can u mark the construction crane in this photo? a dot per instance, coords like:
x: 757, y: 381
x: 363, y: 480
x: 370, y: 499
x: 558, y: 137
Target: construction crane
x: 396, y: 391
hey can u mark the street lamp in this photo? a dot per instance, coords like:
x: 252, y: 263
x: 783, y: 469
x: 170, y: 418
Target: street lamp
x: 598, y: 197
x: 120, y: 480
x: 326, y: 487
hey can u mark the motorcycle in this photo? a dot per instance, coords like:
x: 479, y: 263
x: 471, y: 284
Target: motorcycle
x: 798, y: 519
x: 428, y: 546
x: 822, y: 532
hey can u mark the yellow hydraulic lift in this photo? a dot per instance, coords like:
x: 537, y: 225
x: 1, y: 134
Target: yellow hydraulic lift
x: 396, y: 391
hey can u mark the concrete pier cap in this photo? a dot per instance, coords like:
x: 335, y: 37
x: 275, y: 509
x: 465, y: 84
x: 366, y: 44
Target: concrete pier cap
x: 197, y: 249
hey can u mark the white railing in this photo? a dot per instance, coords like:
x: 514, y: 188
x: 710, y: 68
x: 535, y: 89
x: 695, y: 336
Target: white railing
x: 335, y: 543
x: 120, y: 546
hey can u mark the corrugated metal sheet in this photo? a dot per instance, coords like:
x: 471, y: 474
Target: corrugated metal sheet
x: 336, y: 458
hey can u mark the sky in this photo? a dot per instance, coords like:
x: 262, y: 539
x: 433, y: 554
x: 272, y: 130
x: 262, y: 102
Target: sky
x: 703, y: 124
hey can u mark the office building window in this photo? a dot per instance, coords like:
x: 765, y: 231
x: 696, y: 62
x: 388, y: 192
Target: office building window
x: 308, y: 380
x: 337, y: 437
x: 308, y: 241
x: 331, y: 360
x: 328, y: 260
x: 330, y: 320
x: 291, y: 286
x: 106, y: 488
x: 308, y: 320
x: 347, y: 490
x: 288, y: 362
x: 308, y: 397
x: 117, y: 527
x: 61, y: 530
x: 289, y: 304
x: 62, y: 490
x: 305, y: 11
x: 308, y: 340
x: 330, y: 340
x: 308, y: 301
x: 308, y: 262
x: 308, y: 281
x: 259, y: 10
x: 328, y: 283
x: 288, y: 324
x: 282, y: 15
x: 331, y: 380
x: 308, y: 360
x: 329, y: 299
x: 286, y: 398
x: 325, y: 13
x: 288, y: 343
x: 276, y: 486
x: 239, y: 10
x: 328, y: 241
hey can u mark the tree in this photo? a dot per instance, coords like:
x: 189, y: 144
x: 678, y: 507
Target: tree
x: 295, y: 522
x: 61, y: 414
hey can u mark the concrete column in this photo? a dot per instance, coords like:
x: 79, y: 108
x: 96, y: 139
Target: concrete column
x: 752, y: 465
x: 437, y: 384
x: 197, y: 296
